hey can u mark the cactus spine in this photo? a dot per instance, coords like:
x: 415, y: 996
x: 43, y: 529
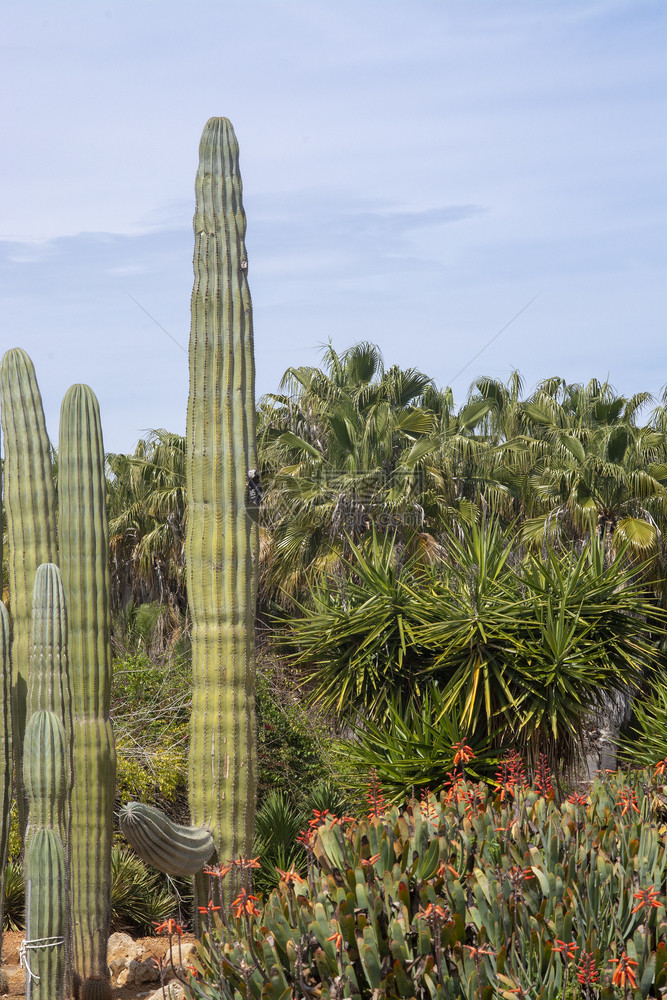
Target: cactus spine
x: 84, y: 547
x: 45, y: 781
x: 222, y: 539
x: 31, y: 524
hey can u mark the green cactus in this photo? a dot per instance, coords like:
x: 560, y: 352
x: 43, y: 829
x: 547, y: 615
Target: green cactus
x: 45, y: 782
x: 169, y: 847
x: 31, y: 523
x: 5, y: 748
x: 48, y: 689
x: 48, y: 677
x: 222, y: 537
x: 84, y: 547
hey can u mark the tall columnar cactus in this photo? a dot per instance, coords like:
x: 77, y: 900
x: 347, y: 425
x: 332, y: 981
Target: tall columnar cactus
x: 45, y: 781
x: 31, y: 522
x: 84, y: 547
x: 5, y: 748
x: 222, y: 537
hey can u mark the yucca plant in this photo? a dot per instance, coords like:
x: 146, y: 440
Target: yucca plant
x: 413, y: 749
x: 14, y: 915
x: 139, y: 898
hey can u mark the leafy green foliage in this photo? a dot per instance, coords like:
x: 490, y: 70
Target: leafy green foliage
x: 413, y: 748
x: 646, y: 741
x: 138, y: 895
x: 14, y: 912
x: 291, y: 742
x: 523, y: 650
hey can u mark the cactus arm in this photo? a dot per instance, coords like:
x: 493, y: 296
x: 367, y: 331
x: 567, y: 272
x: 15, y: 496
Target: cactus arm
x: 169, y: 847
x: 5, y: 753
x: 84, y: 546
x: 31, y: 523
x: 222, y: 539
x: 44, y: 775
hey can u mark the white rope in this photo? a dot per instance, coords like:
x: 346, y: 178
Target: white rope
x: 47, y: 942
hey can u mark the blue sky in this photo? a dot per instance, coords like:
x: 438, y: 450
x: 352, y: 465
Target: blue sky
x: 415, y: 172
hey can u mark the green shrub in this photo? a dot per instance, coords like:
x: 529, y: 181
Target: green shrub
x: 14, y: 913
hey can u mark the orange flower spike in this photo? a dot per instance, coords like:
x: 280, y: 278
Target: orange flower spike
x: 220, y: 871
x: 628, y: 800
x: 463, y: 753
x: 337, y: 940
x: 563, y: 947
x: 647, y: 898
x: 209, y: 908
x: 660, y: 768
x: 245, y: 903
x: 290, y: 877
x: 624, y: 973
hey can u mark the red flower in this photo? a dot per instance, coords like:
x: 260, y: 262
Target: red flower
x: 623, y: 973
x: 562, y: 947
x: 587, y: 974
x: 660, y: 768
x: 628, y: 800
x: 169, y: 927
x: 245, y: 904
x: 219, y: 871
x: 647, y: 898
x: 209, y: 908
x: 436, y: 912
x: 463, y: 753
x: 290, y: 877
x: 337, y: 940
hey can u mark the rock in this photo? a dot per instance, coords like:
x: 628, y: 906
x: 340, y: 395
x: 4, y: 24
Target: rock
x: 180, y: 960
x: 139, y: 972
x: 174, y: 991
x: 122, y: 949
x: 4, y: 984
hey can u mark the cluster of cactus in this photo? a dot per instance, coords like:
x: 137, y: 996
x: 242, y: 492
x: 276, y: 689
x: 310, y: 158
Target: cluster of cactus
x: 481, y: 892
x: 60, y: 729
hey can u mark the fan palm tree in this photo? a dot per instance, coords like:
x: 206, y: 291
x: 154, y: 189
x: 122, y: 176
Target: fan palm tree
x: 344, y: 447
x: 147, y: 512
x: 594, y: 469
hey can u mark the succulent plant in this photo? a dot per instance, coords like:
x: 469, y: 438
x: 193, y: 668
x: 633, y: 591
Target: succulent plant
x: 480, y: 892
x: 169, y: 847
x: 45, y: 781
x: 222, y: 537
x: 5, y: 749
x: 31, y: 522
x: 84, y: 547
